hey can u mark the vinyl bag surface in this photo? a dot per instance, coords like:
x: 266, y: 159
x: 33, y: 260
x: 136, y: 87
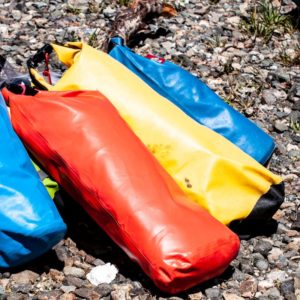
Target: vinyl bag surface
x: 211, y: 170
x: 196, y: 99
x: 100, y: 162
x: 29, y: 221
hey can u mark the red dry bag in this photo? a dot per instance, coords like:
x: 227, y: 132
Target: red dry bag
x: 82, y: 141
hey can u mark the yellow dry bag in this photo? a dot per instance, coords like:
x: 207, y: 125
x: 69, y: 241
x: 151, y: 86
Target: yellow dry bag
x: 212, y: 171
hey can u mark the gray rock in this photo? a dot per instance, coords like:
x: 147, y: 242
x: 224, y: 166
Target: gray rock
x: 231, y: 296
x: 23, y: 288
x: 17, y: 15
x: 213, y: 293
x: 269, y: 97
x: 262, y: 265
x: 68, y: 288
x: 263, y: 247
x: 238, y: 275
x: 24, y: 277
x: 2, y: 291
x: 280, y: 126
x: 103, y: 289
x: 109, y: 11
x: 75, y: 281
x: 273, y: 293
x: 287, y: 287
x: 248, y: 287
x: 86, y: 293
x: 73, y: 271
x: 276, y: 275
x: 121, y: 291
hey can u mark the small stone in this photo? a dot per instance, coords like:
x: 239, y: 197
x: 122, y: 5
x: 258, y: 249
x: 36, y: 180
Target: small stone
x: 109, y: 11
x: 61, y: 252
x: 17, y: 15
x: 276, y: 275
x: 263, y: 247
x: 68, y: 288
x: 24, y: 277
x: 269, y: 97
x: 230, y: 296
x: 56, y: 275
x: 238, y: 275
x: 67, y: 296
x: 274, y: 255
x: 248, y: 287
x: 273, y: 293
x: 23, y: 288
x: 287, y: 287
x: 262, y: 265
x: 195, y: 296
x: 296, y: 223
x: 264, y: 285
x: 4, y: 282
x: 234, y: 20
x: 121, y: 291
x: 103, y: 289
x: 213, y: 293
x: 280, y: 126
x: 168, y: 46
x: 85, y: 293
x: 70, y: 280
x: 73, y: 271
x: 98, y: 262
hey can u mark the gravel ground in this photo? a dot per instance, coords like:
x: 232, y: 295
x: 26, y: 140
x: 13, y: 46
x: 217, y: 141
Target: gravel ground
x: 259, y: 76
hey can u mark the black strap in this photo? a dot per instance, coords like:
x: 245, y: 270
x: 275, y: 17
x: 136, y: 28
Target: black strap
x: 35, y: 60
x: 39, y: 57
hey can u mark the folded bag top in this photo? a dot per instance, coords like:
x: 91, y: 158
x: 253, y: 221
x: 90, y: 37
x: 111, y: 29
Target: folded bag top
x: 211, y: 170
x: 196, y: 99
x: 101, y: 163
x: 29, y: 221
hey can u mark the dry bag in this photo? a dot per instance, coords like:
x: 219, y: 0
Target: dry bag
x: 211, y: 170
x: 29, y: 221
x: 196, y: 99
x: 93, y: 154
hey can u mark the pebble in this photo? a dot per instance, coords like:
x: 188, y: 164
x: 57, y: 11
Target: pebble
x: 262, y: 265
x: 277, y: 275
x: 24, y: 277
x: 73, y: 271
x: 280, y: 126
x: 213, y: 293
x: 248, y: 287
x: 263, y: 247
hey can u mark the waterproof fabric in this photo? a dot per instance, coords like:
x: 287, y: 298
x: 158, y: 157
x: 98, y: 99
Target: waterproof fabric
x: 211, y: 170
x: 99, y: 161
x: 197, y: 100
x: 29, y: 222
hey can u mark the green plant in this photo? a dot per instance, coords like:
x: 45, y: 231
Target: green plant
x: 295, y: 126
x: 73, y: 10
x: 124, y: 2
x: 264, y: 19
x: 92, y: 41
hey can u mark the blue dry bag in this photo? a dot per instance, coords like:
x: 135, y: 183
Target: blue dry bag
x: 197, y: 100
x: 29, y: 221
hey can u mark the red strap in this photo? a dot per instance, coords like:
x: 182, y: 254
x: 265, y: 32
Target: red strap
x: 156, y: 58
x: 46, y: 72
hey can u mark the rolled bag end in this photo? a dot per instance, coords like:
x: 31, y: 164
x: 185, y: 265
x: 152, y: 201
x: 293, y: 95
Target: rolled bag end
x: 261, y: 214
